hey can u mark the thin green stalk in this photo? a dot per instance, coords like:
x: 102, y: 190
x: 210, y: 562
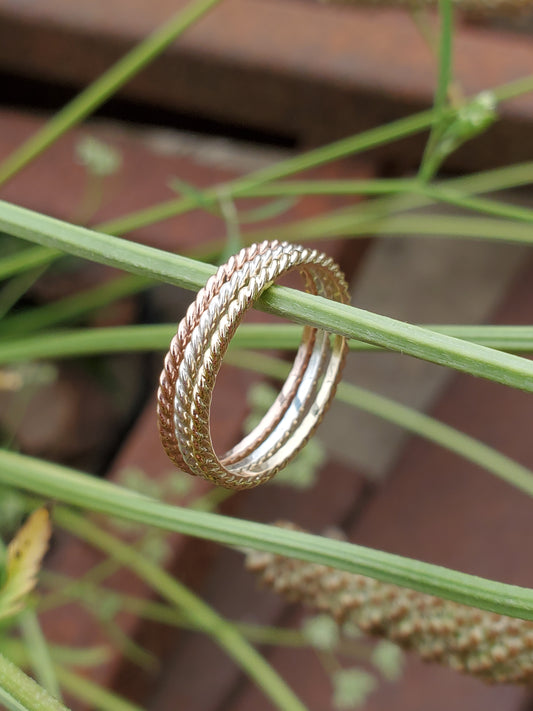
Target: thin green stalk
x: 288, y: 303
x: 17, y: 287
x: 462, y: 227
x: 91, y: 694
x: 354, y: 223
x: 381, y: 215
x: 443, y: 82
x: 10, y: 703
x: 159, y: 612
x: 71, y: 487
x: 24, y: 690
x: 17, y: 651
x: 39, y: 653
x: 408, y: 419
x: 513, y: 89
x: 104, y: 87
x: 489, y: 207
x: 126, y: 339
x: 347, y: 146
x: 26, y: 259
x: 77, y: 686
x: 419, y: 194
x: 222, y: 631
x: 73, y: 307
x: 288, y: 337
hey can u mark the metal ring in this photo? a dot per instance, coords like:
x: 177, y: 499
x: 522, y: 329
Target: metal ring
x: 198, y: 348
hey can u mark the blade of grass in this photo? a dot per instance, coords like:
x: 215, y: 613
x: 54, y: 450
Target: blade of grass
x: 74, y: 307
x: 222, y: 631
x: 38, y: 653
x: 443, y: 82
x: 17, y: 651
x: 17, y: 287
x: 71, y: 487
x: 27, y: 694
x: 104, y: 87
x: 91, y: 694
x: 414, y: 194
x: 155, y: 612
x: 348, y: 146
x: 281, y: 337
x: 339, y: 149
x: 122, y: 339
x: 288, y: 303
x: 362, y: 223
x: 10, y: 702
x: 26, y: 259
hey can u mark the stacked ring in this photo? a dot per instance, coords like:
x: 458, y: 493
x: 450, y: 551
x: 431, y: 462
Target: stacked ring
x: 198, y: 348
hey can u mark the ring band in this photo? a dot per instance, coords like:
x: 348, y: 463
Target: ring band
x: 198, y: 348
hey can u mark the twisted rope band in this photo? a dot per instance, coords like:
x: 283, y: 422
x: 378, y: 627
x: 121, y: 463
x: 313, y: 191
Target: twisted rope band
x: 196, y: 354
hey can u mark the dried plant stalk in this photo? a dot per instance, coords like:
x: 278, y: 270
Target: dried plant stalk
x: 493, y: 647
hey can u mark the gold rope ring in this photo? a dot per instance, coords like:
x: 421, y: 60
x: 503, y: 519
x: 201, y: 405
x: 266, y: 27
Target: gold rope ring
x: 196, y: 353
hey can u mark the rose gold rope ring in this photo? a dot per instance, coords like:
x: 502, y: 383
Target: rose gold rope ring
x: 197, y: 350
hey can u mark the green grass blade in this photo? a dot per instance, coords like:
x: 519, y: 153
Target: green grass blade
x: 25, y: 692
x: 347, y: 146
x: 125, y: 339
x: 189, y: 604
x: 72, y: 308
x: 25, y: 260
x: 39, y: 653
x: 92, y: 695
x: 443, y: 82
x: 68, y: 486
x: 293, y: 305
x: 288, y: 337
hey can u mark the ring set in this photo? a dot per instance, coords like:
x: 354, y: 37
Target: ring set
x: 198, y: 348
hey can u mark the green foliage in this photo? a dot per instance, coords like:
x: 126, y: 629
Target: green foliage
x: 23, y: 562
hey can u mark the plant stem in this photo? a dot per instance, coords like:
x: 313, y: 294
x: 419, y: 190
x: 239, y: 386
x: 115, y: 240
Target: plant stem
x: 122, y: 339
x: 104, y: 87
x: 38, y: 652
x: 365, y: 222
x: 25, y: 690
x: 288, y: 337
x: 347, y: 146
x: 222, y: 631
x: 295, y: 305
x: 69, y: 486
x: 159, y: 612
x: 454, y: 192
x: 26, y: 259
x: 91, y: 694
x: 17, y: 651
x: 73, y: 307
x: 427, y: 168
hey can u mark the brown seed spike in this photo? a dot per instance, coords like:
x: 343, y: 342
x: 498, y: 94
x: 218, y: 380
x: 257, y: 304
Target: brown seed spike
x: 495, y: 648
